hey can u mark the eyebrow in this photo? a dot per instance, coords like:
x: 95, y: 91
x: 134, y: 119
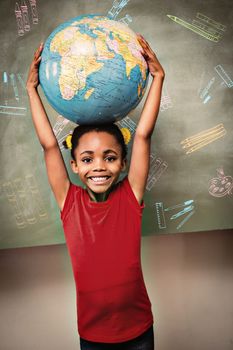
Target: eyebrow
x: 105, y: 152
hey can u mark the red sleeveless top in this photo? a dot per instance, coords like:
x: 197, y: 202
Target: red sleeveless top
x: 104, y: 242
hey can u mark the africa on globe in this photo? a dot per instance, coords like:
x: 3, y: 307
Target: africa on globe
x: 92, y: 70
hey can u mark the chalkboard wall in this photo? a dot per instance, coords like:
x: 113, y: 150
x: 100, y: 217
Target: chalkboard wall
x: 190, y: 183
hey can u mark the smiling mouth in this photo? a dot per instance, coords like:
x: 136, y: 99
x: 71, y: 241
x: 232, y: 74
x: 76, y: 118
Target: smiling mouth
x: 99, y: 179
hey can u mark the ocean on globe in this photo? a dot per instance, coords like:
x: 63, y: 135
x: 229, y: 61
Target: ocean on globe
x: 92, y: 70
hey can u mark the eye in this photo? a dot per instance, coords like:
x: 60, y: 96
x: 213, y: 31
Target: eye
x: 86, y: 160
x: 110, y: 158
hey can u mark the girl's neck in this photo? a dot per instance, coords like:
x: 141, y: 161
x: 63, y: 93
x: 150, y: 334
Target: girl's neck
x: 98, y: 197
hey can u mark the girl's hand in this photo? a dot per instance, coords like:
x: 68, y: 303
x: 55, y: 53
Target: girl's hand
x: 33, y: 74
x: 154, y: 66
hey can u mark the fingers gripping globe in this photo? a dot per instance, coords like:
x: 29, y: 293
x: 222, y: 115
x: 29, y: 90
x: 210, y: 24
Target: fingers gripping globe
x: 92, y: 70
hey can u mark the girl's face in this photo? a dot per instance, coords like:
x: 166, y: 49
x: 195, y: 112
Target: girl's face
x: 98, y: 160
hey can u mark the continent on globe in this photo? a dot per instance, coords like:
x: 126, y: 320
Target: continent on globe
x: 92, y: 70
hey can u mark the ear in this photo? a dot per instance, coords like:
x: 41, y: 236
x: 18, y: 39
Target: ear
x: 123, y: 164
x: 74, y: 166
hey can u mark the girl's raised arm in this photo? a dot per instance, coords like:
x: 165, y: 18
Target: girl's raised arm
x: 140, y: 158
x: 56, y: 170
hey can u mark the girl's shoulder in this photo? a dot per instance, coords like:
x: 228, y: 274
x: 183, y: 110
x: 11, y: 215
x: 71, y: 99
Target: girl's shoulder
x: 126, y: 187
x: 73, y: 191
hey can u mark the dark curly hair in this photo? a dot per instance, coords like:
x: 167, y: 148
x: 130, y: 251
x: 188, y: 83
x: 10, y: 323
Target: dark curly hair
x: 110, y: 128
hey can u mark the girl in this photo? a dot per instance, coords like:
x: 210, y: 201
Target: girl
x: 102, y: 221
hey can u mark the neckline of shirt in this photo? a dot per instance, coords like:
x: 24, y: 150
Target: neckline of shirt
x: 98, y: 204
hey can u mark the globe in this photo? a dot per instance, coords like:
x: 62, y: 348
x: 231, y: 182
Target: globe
x: 92, y: 70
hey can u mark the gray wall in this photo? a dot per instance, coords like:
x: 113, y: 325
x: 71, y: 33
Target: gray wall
x: 197, y: 98
x: 188, y: 277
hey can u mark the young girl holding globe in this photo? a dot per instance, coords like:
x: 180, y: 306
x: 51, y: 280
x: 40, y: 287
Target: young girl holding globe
x: 102, y: 222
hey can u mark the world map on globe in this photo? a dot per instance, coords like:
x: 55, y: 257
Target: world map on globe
x: 92, y: 70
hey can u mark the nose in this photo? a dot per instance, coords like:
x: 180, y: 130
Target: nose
x: 99, y: 165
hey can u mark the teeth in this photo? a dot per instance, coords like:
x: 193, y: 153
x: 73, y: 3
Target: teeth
x: 102, y: 178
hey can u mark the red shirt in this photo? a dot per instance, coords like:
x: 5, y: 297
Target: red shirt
x: 104, y: 242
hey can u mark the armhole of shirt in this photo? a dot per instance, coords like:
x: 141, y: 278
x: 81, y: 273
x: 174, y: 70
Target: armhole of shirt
x: 126, y: 183
x: 68, y: 201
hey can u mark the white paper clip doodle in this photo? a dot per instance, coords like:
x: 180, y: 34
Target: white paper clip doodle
x: 224, y: 76
x: 34, y: 11
x: 24, y: 10
x: 157, y: 168
x: 19, y: 20
x: 127, y: 19
x: 59, y: 125
x: 25, y: 200
x: 117, y: 6
x: 166, y: 101
x: 14, y: 202
x: 37, y: 199
x: 128, y: 123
